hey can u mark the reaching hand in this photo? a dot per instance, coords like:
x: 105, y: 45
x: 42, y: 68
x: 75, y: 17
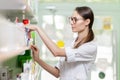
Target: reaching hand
x: 31, y: 27
x: 35, y: 52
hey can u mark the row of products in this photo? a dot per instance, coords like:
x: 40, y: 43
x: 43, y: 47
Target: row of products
x: 25, y: 22
x: 30, y: 71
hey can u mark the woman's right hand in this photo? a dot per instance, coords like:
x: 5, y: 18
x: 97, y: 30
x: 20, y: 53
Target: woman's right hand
x: 32, y: 27
x: 35, y: 52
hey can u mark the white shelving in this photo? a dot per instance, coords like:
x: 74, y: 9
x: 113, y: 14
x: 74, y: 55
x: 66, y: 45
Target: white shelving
x: 14, y: 8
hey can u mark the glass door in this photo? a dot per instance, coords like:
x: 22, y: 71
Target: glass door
x: 105, y: 65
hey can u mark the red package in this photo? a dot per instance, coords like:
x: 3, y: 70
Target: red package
x: 25, y: 21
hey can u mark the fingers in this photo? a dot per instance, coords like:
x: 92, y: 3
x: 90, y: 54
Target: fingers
x: 35, y: 52
x: 34, y: 48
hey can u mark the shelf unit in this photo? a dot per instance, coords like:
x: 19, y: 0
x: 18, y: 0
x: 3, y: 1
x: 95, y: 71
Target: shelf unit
x: 17, y: 8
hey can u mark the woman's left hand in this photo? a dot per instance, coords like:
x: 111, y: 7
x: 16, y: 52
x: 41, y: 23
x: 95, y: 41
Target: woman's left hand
x: 35, y: 52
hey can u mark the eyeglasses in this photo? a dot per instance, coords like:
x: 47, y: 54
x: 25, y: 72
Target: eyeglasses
x: 74, y: 19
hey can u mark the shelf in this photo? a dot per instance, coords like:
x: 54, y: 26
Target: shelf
x: 14, y: 8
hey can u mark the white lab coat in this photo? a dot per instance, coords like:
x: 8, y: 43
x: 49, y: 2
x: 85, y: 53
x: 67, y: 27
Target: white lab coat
x: 79, y: 62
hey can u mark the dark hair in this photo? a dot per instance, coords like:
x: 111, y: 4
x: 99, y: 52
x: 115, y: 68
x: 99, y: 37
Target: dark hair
x: 86, y: 13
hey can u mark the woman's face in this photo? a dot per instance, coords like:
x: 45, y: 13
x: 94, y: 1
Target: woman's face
x: 77, y: 22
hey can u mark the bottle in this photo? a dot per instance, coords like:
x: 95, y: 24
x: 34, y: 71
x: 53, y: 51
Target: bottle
x: 28, y: 34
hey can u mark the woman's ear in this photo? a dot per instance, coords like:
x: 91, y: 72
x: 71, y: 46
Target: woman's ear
x: 87, y: 21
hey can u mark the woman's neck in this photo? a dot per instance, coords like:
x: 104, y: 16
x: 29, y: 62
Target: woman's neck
x: 82, y: 35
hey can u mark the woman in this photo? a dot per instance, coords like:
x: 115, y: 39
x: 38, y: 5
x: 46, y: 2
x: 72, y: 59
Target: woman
x: 76, y: 60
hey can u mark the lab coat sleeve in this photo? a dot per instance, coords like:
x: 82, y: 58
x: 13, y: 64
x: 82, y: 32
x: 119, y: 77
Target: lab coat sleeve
x: 85, y: 52
x: 58, y: 65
